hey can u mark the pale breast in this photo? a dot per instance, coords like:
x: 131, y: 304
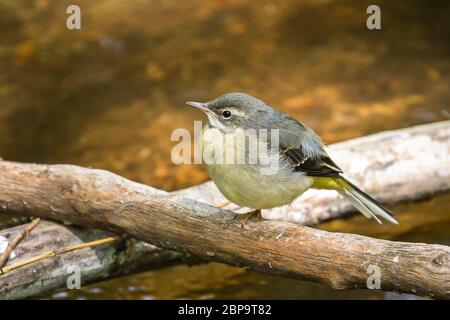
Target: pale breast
x: 254, y: 185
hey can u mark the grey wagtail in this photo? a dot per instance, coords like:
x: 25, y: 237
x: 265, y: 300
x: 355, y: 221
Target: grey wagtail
x: 300, y: 152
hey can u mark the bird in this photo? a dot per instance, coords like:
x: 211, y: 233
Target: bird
x: 303, y: 162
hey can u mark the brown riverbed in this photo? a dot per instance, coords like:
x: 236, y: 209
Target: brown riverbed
x: 109, y: 95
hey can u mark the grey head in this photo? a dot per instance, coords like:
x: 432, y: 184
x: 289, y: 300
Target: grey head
x: 237, y: 110
x: 241, y: 110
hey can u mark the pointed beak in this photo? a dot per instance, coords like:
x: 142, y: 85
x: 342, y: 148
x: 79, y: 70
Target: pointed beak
x: 199, y: 105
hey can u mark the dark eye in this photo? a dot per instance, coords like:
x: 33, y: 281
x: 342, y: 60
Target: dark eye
x: 226, y: 114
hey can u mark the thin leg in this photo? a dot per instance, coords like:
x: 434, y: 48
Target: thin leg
x: 249, y: 215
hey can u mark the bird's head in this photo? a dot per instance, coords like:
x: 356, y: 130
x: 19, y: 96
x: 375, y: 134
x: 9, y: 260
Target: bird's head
x: 234, y: 110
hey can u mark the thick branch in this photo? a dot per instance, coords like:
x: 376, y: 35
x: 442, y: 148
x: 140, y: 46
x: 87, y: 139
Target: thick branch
x: 100, y: 199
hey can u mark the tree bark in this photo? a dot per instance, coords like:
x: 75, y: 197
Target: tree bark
x: 99, y: 199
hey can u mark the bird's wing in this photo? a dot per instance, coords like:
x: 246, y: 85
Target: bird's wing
x: 318, y: 165
x: 303, y: 149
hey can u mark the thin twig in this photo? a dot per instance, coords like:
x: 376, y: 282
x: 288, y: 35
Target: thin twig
x: 22, y: 234
x: 56, y: 252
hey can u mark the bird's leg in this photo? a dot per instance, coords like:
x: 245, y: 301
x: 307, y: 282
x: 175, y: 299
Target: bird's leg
x: 249, y: 215
x: 243, y: 216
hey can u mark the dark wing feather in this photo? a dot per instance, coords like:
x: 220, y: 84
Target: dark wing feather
x: 318, y: 166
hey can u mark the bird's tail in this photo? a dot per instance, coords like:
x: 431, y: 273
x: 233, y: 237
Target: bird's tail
x: 367, y: 205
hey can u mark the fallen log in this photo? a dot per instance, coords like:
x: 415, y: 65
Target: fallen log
x: 93, y: 263
x: 70, y: 193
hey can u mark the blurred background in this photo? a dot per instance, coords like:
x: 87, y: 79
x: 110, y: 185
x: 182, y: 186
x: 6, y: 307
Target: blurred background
x: 109, y: 95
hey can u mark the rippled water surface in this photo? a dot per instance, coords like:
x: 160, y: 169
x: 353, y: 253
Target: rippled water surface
x: 109, y: 96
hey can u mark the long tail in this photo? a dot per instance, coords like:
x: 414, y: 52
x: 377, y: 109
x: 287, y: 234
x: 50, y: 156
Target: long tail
x: 367, y: 205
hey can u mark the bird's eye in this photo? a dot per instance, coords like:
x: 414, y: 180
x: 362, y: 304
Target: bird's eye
x: 226, y: 114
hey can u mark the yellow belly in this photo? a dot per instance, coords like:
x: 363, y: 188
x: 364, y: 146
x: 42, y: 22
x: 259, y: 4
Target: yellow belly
x: 247, y: 188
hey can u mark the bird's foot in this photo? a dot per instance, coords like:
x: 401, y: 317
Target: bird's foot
x: 249, y: 215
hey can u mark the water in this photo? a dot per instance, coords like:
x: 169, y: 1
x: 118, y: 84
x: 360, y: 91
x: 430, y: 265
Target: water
x: 109, y: 96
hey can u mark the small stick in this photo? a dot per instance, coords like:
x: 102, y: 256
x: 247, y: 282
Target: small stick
x: 22, y: 234
x: 56, y: 252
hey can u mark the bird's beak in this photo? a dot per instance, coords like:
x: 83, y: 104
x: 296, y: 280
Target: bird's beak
x: 200, y: 105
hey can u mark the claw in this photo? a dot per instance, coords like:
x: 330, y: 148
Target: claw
x: 249, y: 215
